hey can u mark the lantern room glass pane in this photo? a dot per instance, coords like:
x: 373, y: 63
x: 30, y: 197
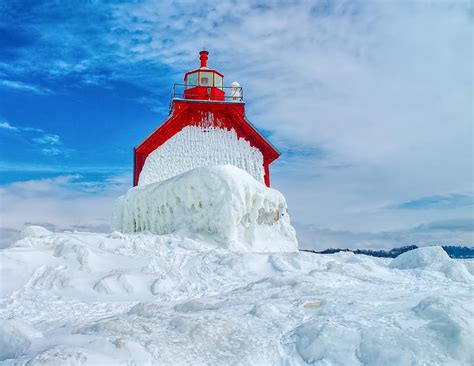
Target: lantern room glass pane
x: 218, y: 81
x: 192, y: 80
x: 205, y: 78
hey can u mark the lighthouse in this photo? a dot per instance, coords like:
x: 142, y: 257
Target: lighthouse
x: 206, y: 125
x: 204, y: 173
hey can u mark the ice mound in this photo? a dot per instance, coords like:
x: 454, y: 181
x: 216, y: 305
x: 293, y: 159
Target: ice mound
x: 221, y: 203
x: 433, y: 258
x: 420, y: 258
x: 34, y: 231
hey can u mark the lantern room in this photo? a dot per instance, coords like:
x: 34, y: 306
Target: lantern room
x: 204, y: 83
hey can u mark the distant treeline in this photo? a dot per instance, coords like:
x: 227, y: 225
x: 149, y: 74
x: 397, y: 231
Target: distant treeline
x: 453, y: 251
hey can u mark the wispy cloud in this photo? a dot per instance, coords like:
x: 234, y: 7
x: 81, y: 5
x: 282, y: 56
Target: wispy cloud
x: 453, y: 225
x: 46, y: 143
x: 7, y: 126
x: 437, y: 202
x: 89, y: 203
x: 52, y: 152
x: 48, y: 139
x: 21, y: 86
x: 65, y: 169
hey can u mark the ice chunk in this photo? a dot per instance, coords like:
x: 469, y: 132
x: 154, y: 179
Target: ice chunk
x: 34, y: 232
x: 13, y: 342
x: 335, y: 344
x: 452, y: 321
x: 435, y: 259
x: 222, y: 203
x: 195, y: 147
x: 420, y: 258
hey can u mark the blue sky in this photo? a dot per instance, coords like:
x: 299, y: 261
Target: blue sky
x: 369, y: 101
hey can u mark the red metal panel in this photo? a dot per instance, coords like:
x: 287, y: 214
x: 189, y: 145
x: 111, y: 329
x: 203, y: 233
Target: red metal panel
x: 204, y: 93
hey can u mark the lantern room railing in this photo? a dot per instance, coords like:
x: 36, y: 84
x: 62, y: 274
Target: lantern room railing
x: 232, y: 94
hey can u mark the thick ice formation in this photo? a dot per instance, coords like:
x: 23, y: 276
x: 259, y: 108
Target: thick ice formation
x: 13, y: 342
x: 435, y: 259
x: 421, y: 258
x: 34, y: 231
x: 143, y: 299
x: 195, y: 147
x: 221, y: 203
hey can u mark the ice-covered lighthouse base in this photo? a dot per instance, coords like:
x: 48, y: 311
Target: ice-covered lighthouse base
x: 222, y: 204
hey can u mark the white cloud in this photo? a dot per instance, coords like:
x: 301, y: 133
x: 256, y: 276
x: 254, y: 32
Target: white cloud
x: 61, y: 203
x: 7, y: 126
x: 46, y: 143
x: 52, y: 152
x: 63, y: 169
x: 21, y: 86
x: 48, y: 139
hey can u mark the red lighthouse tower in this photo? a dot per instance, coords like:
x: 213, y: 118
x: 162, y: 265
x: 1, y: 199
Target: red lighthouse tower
x: 207, y: 125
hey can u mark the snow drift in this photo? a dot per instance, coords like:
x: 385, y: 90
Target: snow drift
x: 223, y: 204
x: 143, y: 299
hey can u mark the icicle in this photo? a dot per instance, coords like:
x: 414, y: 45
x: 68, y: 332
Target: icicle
x: 203, y: 145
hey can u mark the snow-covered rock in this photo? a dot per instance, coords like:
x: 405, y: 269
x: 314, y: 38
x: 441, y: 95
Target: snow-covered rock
x: 223, y: 204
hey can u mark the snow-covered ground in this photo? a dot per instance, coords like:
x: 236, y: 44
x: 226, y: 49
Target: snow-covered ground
x: 84, y: 298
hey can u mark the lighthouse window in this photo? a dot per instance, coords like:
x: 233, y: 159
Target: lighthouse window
x: 193, y: 79
x: 218, y: 81
x: 205, y: 79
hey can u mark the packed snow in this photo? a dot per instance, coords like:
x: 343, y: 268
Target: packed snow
x: 125, y: 299
x: 222, y: 204
x: 197, y: 146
